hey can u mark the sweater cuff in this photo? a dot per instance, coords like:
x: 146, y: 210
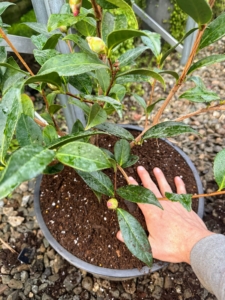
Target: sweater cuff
x: 208, y: 262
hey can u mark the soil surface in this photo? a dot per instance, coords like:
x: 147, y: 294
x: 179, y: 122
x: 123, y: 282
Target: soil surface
x: 83, y: 225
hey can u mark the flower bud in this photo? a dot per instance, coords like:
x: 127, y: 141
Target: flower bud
x: 75, y: 6
x: 52, y: 87
x: 63, y: 29
x: 96, y: 44
x: 112, y: 203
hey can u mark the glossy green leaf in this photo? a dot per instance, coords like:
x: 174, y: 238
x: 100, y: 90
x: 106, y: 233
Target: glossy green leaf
x: 199, y: 10
x: 153, y: 41
x: 134, y: 237
x: 213, y: 32
x: 57, y: 20
x: 38, y: 27
x: 87, y: 27
x: 3, y: 59
x: 105, y: 4
x: 117, y: 37
x: 4, y: 5
x: 116, y: 104
x: 50, y: 135
x: 39, y: 40
x: 23, y: 165
x: 206, y: 61
x: 133, y: 159
x: 129, y: 56
x: 12, y: 76
x: 10, y: 110
x: 52, y: 41
x: 53, y: 169
x: 81, y: 43
x: 118, y: 92
x: 219, y: 169
x: 184, y: 199
x: 116, y: 130
x: 52, y: 78
x: 27, y: 105
x: 121, y: 22
x: 82, y: 105
x: 28, y: 132
x: 41, y: 56
x: 138, y: 194
x: 143, y: 72
x: 132, y: 78
x: 175, y: 46
x: 71, y: 64
x: 98, y: 181
x: 172, y: 73
x: 51, y: 97
x: 140, y: 101
x: 122, y: 151
x: 107, y: 25
x: 152, y: 106
x: 167, y: 129
x: 77, y: 127
x: 83, y: 156
x: 71, y: 138
x: 199, y: 93
x: 47, y: 117
x: 103, y: 79
x: 97, y: 116
x: 54, y: 108
x: 127, y: 11
x: 82, y: 83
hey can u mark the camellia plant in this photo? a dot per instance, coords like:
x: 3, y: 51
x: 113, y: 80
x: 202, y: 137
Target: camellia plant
x: 101, y: 81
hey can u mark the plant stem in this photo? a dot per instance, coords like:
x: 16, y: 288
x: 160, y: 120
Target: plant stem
x: 182, y: 77
x: 150, y: 102
x: 200, y: 111
x: 124, y: 174
x: 98, y: 16
x: 198, y: 196
x: 4, y: 36
x: 113, y: 73
x: 76, y: 97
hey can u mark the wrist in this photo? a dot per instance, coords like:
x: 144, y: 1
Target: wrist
x: 194, y: 239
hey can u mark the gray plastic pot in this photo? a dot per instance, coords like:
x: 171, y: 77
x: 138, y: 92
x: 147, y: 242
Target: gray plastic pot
x: 110, y: 274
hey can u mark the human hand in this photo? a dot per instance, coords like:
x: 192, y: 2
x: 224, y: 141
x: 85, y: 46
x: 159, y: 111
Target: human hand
x: 173, y: 231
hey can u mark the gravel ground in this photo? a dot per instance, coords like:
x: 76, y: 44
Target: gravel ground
x: 48, y: 276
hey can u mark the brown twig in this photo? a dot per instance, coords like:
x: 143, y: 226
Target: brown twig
x: 200, y: 111
x: 113, y: 72
x: 7, y: 246
x: 4, y: 36
x: 76, y: 97
x: 124, y: 174
x: 150, y: 101
x: 98, y: 16
x: 198, y: 196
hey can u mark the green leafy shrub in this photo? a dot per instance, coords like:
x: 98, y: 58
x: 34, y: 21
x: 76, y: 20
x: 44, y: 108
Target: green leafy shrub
x: 21, y: 29
x: 98, y: 34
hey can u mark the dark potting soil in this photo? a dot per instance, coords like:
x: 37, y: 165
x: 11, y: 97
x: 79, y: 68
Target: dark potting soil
x: 83, y: 225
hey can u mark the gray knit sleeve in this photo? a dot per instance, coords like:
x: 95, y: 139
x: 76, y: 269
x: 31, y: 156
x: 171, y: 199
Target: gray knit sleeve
x: 208, y: 263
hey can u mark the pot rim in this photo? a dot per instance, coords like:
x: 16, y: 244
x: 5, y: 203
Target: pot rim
x: 111, y: 274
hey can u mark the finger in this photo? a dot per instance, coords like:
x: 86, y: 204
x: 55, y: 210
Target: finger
x: 162, y: 182
x: 147, y: 181
x: 119, y: 236
x: 180, y: 185
x: 132, y: 181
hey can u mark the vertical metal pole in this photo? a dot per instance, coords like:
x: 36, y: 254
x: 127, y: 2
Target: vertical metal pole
x: 189, y: 41
x: 43, y: 9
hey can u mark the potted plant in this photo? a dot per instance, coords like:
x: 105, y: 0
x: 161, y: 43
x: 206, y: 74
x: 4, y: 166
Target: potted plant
x: 100, y: 78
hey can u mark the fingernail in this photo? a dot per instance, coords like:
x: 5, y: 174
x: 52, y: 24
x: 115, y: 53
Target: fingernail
x: 157, y: 170
x: 131, y: 178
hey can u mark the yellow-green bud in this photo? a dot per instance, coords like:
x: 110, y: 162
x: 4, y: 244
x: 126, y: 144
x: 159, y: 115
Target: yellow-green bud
x: 112, y: 203
x: 75, y: 6
x: 96, y: 44
x: 63, y: 29
x: 52, y: 87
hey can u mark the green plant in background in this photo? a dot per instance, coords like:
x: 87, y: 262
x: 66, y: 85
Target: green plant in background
x: 98, y: 34
x: 21, y: 29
